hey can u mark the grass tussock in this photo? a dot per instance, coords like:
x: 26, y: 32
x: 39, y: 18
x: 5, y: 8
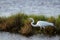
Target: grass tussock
x: 19, y: 23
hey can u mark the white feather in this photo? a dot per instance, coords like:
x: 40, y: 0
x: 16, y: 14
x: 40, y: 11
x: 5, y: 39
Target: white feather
x: 41, y: 23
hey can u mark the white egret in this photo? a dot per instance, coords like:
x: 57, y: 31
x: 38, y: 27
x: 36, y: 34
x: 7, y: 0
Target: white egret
x: 41, y: 24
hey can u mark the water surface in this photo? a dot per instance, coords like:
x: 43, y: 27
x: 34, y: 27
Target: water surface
x: 9, y: 36
x: 42, y: 7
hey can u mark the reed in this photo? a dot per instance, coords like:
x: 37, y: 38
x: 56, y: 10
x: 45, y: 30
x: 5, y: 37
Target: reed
x: 19, y: 23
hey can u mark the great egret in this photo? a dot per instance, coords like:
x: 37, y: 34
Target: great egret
x: 41, y: 24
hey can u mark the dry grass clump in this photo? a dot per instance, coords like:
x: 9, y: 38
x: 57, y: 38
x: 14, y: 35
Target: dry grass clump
x: 19, y: 23
x: 26, y: 29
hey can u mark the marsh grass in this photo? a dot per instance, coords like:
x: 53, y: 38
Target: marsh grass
x: 19, y: 23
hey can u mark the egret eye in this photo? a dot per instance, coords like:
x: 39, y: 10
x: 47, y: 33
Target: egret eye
x: 29, y: 19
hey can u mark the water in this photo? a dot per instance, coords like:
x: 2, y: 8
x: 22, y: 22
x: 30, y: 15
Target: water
x: 9, y: 36
x: 42, y: 7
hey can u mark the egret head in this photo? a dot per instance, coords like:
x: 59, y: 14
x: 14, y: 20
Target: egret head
x: 31, y: 19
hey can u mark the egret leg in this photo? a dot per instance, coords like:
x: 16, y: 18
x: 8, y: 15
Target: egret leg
x: 40, y: 29
x: 44, y: 27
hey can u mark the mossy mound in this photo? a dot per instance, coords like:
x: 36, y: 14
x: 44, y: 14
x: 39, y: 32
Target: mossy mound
x: 19, y: 23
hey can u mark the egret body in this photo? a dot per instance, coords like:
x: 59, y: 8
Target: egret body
x: 41, y: 24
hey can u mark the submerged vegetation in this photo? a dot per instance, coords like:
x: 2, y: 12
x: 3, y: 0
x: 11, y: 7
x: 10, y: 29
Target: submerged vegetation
x: 19, y: 23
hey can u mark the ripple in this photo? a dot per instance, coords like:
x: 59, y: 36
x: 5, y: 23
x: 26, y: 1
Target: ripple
x: 9, y: 36
x: 47, y: 7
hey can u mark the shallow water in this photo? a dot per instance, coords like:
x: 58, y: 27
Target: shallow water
x: 9, y: 36
x: 42, y: 7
